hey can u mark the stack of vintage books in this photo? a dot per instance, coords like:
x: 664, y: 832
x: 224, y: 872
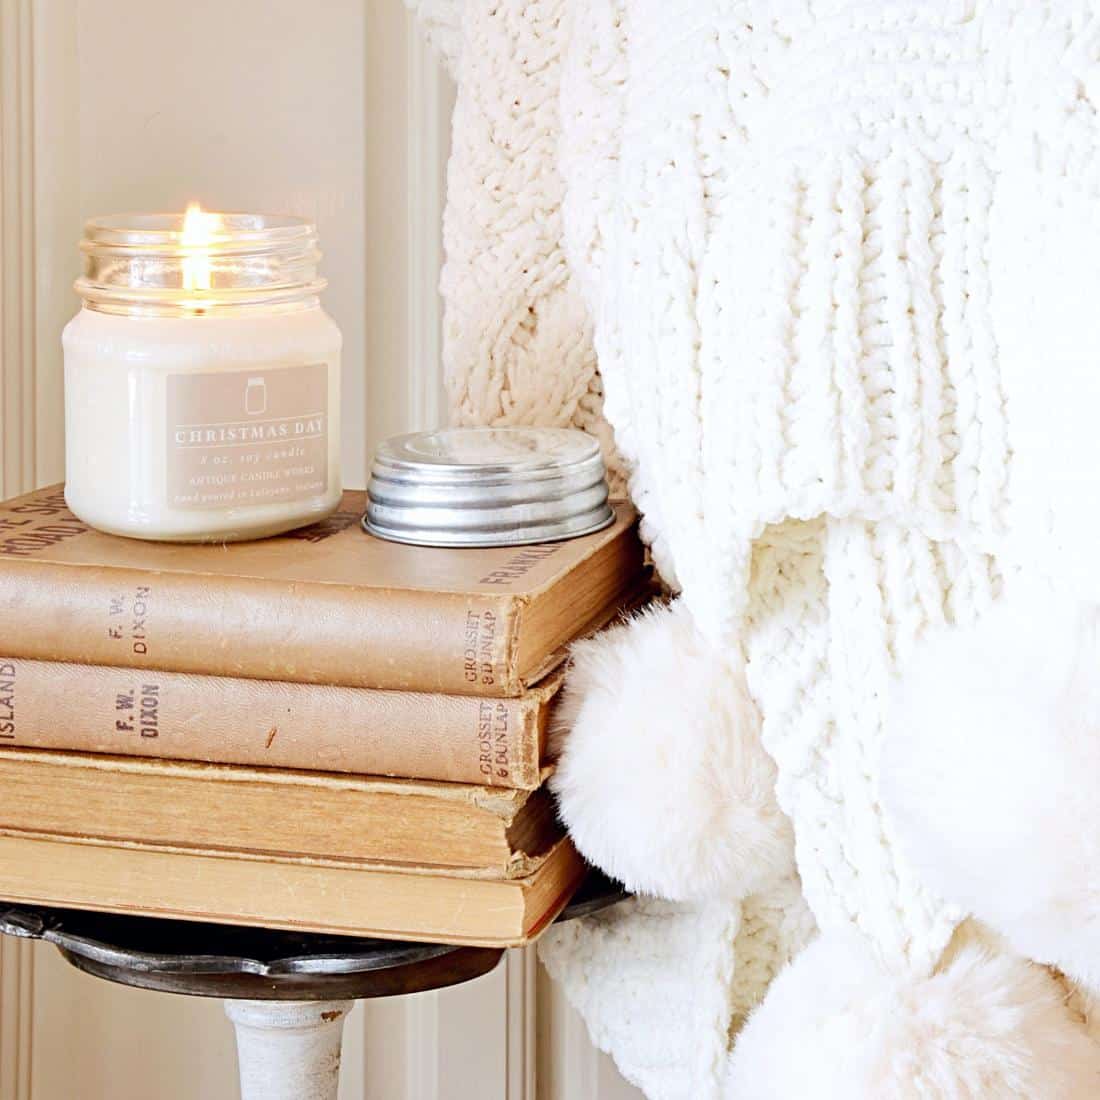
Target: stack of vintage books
x: 321, y: 731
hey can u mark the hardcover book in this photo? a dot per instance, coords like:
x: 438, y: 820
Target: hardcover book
x: 365, y: 731
x: 313, y: 897
x: 327, y: 604
x: 292, y: 816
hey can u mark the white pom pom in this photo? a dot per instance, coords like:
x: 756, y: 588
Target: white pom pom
x: 990, y: 775
x: 836, y: 1026
x: 661, y: 777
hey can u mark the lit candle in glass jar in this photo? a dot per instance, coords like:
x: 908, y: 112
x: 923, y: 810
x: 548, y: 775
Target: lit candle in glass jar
x: 202, y: 379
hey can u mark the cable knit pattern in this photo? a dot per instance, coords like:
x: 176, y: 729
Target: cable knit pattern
x: 705, y: 966
x: 620, y: 964
x: 503, y: 235
x: 825, y: 251
x: 834, y: 604
x: 804, y: 219
x: 775, y: 926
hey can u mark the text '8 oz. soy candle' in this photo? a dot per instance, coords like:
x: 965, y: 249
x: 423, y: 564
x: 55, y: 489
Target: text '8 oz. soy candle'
x: 202, y: 379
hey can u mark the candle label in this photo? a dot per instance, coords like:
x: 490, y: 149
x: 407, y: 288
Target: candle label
x: 247, y: 437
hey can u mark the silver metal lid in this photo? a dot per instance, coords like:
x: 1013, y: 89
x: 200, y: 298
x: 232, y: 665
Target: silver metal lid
x: 487, y: 487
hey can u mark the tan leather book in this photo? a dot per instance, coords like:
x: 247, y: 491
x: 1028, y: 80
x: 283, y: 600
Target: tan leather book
x: 358, y: 901
x: 327, y: 604
x: 286, y: 815
x: 364, y: 731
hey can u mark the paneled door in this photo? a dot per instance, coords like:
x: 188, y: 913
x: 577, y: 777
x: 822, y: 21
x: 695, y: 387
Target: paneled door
x: 334, y: 110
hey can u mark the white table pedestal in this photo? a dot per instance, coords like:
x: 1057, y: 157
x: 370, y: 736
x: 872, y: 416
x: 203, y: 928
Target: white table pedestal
x: 272, y: 982
x: 288, y: 1050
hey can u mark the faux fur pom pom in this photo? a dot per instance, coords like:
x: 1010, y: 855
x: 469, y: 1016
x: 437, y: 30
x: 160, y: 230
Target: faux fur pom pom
x: 661, y: 777
x: 835, y: 1025
x: 991, y: 769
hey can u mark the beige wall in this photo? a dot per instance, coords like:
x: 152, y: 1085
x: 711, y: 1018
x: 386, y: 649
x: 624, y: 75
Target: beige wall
x: 333, y: 110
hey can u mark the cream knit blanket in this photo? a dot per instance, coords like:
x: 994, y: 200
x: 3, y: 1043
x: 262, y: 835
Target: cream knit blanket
x: 839, y: 262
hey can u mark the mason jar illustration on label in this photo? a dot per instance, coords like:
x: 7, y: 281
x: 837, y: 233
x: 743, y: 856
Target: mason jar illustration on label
x: 255, y: 397
x: 241, y: 438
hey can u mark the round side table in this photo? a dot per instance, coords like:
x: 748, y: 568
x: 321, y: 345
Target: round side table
x: 287, y: 993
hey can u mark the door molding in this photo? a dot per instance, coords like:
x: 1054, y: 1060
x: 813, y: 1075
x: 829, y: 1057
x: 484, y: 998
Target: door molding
x: 406, y: 160
x: 17, y: 253
x: 521, y: 978
x: 570, y: 1063
x: 430, y: 97
x: 18, y: 425
x: 16, y: 1016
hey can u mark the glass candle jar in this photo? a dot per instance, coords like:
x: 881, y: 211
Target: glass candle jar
x: 202, y: 379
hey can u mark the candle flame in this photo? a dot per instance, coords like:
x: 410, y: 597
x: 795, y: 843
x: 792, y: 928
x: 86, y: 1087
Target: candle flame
x: 199, y: 230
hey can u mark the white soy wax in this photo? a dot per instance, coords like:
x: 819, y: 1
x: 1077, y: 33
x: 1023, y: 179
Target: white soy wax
x: 202, y: 379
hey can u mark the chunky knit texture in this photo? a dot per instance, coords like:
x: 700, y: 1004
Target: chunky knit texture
x: 839, y: 263
x: 662, y: 983
x: 512, y: 301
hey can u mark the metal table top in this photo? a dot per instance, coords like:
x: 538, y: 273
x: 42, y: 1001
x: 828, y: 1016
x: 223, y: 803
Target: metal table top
x: 217, y: 960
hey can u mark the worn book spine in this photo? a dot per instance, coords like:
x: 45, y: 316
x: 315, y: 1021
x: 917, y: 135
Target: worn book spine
x: 283, y: 814
x: 354, y: 901
x: 394, y: 639
x: 138, y: 712
x: 324, y: 605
